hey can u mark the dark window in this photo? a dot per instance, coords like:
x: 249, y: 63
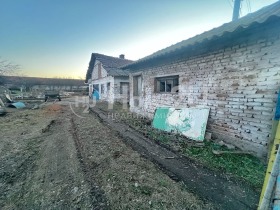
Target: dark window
x: 108, y: 86
x: 137, y: 85
x: 96, y: 87
x: 124, y: 88
x: 167, y: 84
x: 102, y: 89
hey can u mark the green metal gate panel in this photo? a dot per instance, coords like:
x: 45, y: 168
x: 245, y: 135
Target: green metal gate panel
x: 191, y: 122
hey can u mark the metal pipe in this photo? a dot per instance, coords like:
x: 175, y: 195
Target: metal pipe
x: 271, y: 183
x: 276, y: 199
x: 236, y: 9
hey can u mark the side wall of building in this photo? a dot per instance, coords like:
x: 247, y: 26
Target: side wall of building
x: 95, y: 72
x: 102, y: 82
x: 240, y: 85
x: 104, y: 89
x: 109, y: 87
x: 121, y: 89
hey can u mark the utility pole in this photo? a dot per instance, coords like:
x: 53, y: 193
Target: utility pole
x: 236, y: 9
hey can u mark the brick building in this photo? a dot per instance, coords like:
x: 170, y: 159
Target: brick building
x: 233, y: 69
x: 105, y: 76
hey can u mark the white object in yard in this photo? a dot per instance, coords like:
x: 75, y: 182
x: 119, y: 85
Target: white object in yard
x: 191, y: 122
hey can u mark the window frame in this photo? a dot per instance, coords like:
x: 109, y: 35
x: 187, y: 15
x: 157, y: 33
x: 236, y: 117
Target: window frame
x: 102, y: 89
x: 158, y: 81
x: 122, y: 84
x: 137, y: 85
x: 108, y: 86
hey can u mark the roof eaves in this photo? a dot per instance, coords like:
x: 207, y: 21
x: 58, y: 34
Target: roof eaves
x: 259, y: 17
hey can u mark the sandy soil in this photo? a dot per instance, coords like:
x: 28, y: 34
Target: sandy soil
x: 61, y: 157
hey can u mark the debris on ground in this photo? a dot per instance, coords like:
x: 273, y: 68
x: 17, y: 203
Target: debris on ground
x: 36, y: 106
x: 1, y: 103
x: 228, y: 146
x: 2, y: 109
x: 18, y: 105
x: 8, y: 98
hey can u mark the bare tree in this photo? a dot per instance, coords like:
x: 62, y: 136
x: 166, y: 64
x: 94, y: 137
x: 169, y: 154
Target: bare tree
x: 7, y: 68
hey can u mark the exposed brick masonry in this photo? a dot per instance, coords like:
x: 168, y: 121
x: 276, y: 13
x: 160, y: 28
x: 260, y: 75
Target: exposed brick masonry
x: 239, y: 84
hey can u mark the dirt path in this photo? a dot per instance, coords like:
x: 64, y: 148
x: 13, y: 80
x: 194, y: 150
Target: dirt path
x: 52, y: 159
x: 44, y: 172
x: 59, y: 180
x: 128, y: 180
x: 203, y: 182
x: 59, y: 157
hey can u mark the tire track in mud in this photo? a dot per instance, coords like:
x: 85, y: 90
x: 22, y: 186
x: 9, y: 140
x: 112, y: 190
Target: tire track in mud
x: 44, y: 168
x: 203, y: 182
x: 99, y: 201
x: 17, y: 167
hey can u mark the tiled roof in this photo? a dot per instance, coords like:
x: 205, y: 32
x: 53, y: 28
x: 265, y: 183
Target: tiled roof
x: 260, y: 16
x: 111, y: 64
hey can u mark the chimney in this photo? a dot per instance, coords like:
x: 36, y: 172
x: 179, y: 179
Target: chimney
x: 121, y: 56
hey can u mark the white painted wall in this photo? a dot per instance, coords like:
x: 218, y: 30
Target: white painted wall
x: 94, y: 75
x: 110, y: 94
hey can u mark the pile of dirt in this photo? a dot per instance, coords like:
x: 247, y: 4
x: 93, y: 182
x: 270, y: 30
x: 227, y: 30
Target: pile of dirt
x: 53, y: 108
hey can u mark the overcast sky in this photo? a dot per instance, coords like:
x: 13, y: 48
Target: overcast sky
x: 55, y: 38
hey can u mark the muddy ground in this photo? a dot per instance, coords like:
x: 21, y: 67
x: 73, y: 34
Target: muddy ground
x: 61, y: 157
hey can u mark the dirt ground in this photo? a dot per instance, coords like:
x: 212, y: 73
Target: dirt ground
x: 39, y: 165
x: 61, y: 157
x: 219, y: 188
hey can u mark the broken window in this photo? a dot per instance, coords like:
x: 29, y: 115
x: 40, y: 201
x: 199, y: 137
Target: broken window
x: 167, y: 84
